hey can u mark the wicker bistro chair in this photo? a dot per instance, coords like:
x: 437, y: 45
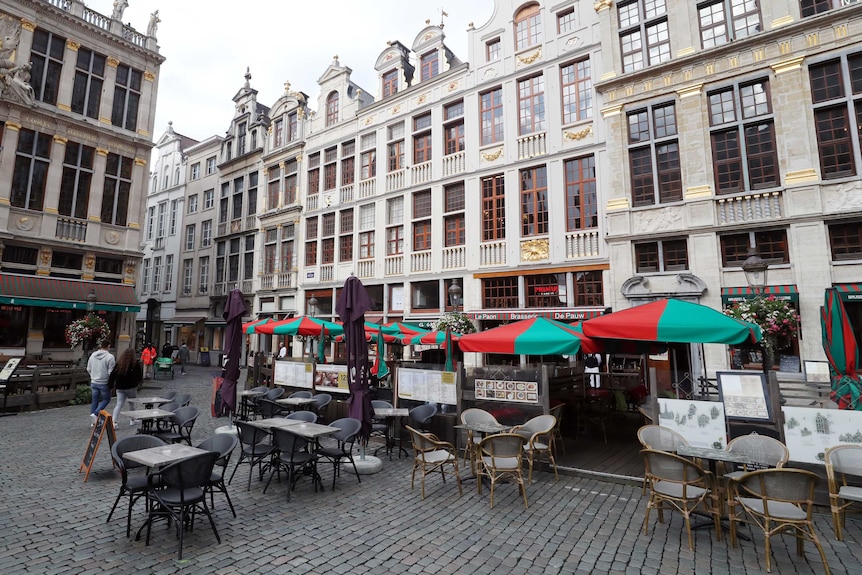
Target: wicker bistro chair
x: 843, y: 461
x: 779, y: 500
x: 431, y: 455
x: 539, y: 435
x: 682, y: 484
x: 660, y: 438
x: 557, y: 436
x: 762, y: 450
x: 471, y: 445
x: 500, y: 459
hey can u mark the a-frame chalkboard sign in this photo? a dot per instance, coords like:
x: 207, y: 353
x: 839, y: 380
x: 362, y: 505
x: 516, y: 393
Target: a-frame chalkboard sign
x: 104, y: 426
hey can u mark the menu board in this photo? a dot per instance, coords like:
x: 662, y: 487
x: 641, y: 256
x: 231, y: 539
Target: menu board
x: 808, y: 431
x: 744, y: 395
x: 702, y: 423
x: 331, y: 378
x: 508, y: 391
x: 293, y: 374
x: 104, y: 426
x: 9, y: 368
x: 427, y: 385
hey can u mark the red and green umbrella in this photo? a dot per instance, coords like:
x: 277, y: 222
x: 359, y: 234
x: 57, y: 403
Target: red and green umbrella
x: 842, y: 351
x: 672, y: 321
x: 248, y: 328
x: 380, y: 369
x: 429, y: 338
x: 401, y: 329
x: 302, y: 325
x: 534, y: 336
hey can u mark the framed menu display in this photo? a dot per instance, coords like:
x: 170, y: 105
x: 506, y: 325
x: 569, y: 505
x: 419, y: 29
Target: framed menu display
x: 744, y: 394
x: 508, y: 391
x: 331, y: 378
x: 293, y: 374
x: 427, y: 385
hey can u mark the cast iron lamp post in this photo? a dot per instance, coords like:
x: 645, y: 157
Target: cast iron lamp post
x: 756, y: 269
x: 455, y: 292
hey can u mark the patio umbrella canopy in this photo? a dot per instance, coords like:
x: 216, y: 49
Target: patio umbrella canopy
x: 842, y: 351
x: 429, y: 338
x: 534, y: 336
x: 302, y: 325
x: 233, y: 312
x: 249, y: 327
x: 401, y: 329
x: 672, y: 321
x: 351, y: 308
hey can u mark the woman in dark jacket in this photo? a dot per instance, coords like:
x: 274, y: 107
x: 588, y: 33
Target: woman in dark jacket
x: 126, y: 377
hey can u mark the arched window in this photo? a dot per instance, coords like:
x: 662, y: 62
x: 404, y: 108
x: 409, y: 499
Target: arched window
x: 528, y: 27
x: 332, y: 109
x: 177, y: 177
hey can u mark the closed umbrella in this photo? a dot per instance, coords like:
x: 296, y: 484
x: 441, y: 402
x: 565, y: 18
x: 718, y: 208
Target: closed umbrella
x: 842, y: 351
x: 449, y: 366
x: 351, y: 308
x: 534, y: 336
x: 233, y: 312
x: 321, y: 346
x: 380, y: 369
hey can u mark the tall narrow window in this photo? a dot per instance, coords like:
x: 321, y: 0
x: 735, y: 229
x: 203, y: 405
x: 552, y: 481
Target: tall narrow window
x: 332, y: 109
x: 492, y: 50
x: 288, y: 252
x: 644, y: 33
x: 390, y: 83
x: 528, y: 27
x: 190, y: 237
x: 422, y: 139
x: 115, y: 195
x: 835, y: 94
x: 395, y: 147
x: 31, y: 169
x: 273, y: 187
x: 46, y: 57
x: 534, y: 201
x: 87, y: 89
x: 531, y: 105
x: 77, y: 176
x: 725, y: 20
x: 169, y: 272
x: 188, y: 276
x: 577, y: 87
x: 493, y: 208
x: 422, y: 221
x: 453, y: 221
x: 348, y: 168
x: 581, y: 204
x: 313, y: 174
x: 127, y: 96
x: 345, y: 238
x: 453, y: 115
x: 566, y: 21
x: 654, y: 161
x: 290, y: 178
x: 292, y: 127
x: 278, y: 133
x: 368, y: 157
x: 204, y: 275
x: 206, y: 233
x: 428, y: 65
x: 491, y: 111
x: 744, y: 149
x: 330, y: 168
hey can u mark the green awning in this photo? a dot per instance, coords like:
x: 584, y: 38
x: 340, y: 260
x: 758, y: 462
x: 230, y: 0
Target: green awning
x: 60, y: 293
x: 849, y: 292
x: 731, y: 295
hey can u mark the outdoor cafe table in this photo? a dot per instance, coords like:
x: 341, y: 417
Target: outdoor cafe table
x: 390, y: 414
x: 147, y: 416
x: 246, y: 398
x: 162, y: 454
x: 148, y: 402
x: 270, y: 422
x: 484, y: 428
x: 312, y: 432
x: 296, y: 402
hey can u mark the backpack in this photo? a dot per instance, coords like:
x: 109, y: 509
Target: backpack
x: 591, y: 361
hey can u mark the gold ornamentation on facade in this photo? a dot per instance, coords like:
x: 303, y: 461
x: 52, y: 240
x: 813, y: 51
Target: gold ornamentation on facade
x: 840, y: 30
x: 787, y: 65
x: 144, y: 133
x: 395, y: 109
x: 667, y: 79
x: 452, y: 86
x: 5, y: 202
x: 612, y: 111
x: 698, y: 192
x: 64, y: 107
x: 783, y: 21
x: 580, y: 135
x: 298, y: 158
x: 72, y: 45
x: 149, y: 76
x: 50, y: 210
x: 600, y: 5
x: 630, y: 90
x: 368, y: 120
x: 300, y: 113
x: 102, y: 151
x: 24, y: 223
x: 527, y: 60
x: 43, y: 272
x: 89, y: 261
x: 733, y: 61
x: 647, y: 85
x: 612, y: 95
x: 27, y: 25
x: 686, y: 75
x: 491, y: 156
x: 689, y: 91
x: 112, y: 237
x: 616, y: 204
x: 609, y: 75
x: 709, y: 69
x: 105, y: 120
x: 801, y: 176
x: 812, y: 39
x: 785, y: 47
x: 14, y: 126
x: 133, y: 226
x: 45, y: 256
x: 140, y: 162
x: 112, y: 62
x: 534, y: 250
x: 388, y: 56
x: 421, y: 99
x: 685, y: 52
x: 60, y: 140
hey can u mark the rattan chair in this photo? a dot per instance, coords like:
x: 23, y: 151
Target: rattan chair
x: 500, y: 459
x: 557, y: 436
x: 779, y: 500
x: 762, y: 450
x: 539, y: 435
x: 843, y: 461
x: 432, y: 455
x: 471, y: 445
x: 661, y: 438
x: 680, y: 483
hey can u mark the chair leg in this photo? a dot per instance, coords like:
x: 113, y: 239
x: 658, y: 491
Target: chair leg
x: 117, y: 500
x: 524, y: 492
x: 836, y: 521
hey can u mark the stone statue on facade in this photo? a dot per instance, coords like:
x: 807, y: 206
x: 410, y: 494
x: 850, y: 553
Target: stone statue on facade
x: 153, y: 26
x: 14, y: 79
x: 119, y: 7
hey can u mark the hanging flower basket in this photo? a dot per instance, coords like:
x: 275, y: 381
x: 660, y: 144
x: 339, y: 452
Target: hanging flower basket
x: 456, y: 321
x: 91, y: 329
x: 778, y: 321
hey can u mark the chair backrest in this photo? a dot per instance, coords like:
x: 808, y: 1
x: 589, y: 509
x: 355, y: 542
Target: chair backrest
x: 288, y: 443
x: 475, y: 415
x: 761, y: 449
x: 170, y: 406
x: 223, y: 443
x: 540, y: 424
x: 422, y: 414
x: 557, y: 412
x: 845, y: 459
x: 783, y: 485
x: 660, y: 438
x: 504, y: 449
x: 183, y: 399
x: 348, y: 428
x: 422, y: 442
x: 269, y: 408
x: 167, y: 394
x: 382, y: 404
x: 306, y: 416
x: 305, y: 394
x: 186, y: 416
x: 194, y: 471
x: 260, y: 388
x: 321, y: 400
x: 249, y: 434
x: 133, y: 443
x: 274, y: 393
x: 665, y: 466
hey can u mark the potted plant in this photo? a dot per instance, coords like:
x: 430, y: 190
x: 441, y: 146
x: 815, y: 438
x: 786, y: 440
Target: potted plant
x: 87, y: 332
x: 777, y: 319
x: 456, y: 321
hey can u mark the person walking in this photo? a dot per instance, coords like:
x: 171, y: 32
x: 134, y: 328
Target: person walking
x: 126, y: 377
x: 167, y: 350
x: 99, y: 366
x: 148, y: 358
x: 183, y: 356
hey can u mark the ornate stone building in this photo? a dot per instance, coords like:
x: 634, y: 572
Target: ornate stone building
x: 77, y: 98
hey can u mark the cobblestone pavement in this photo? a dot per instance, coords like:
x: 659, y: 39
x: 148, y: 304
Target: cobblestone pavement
x: 53, y: 522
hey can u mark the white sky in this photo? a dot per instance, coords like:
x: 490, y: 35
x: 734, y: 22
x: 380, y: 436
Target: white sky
x: 209, y: 43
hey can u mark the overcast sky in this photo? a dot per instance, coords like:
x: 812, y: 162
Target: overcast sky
x: 209, y: 43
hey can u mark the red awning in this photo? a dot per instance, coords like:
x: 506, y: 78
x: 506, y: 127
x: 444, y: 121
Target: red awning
x: 16, y: 289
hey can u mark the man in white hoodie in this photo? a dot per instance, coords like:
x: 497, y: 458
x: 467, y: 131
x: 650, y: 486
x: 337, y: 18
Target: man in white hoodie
x: 99, y: 366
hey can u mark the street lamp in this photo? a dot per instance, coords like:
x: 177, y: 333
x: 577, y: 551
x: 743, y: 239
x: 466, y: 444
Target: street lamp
x: 312, y: 306
x: 91, y: 301
x: 755, y: 269
x: 455, y: 292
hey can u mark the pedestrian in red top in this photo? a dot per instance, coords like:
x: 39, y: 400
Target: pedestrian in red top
x: 148, y: 357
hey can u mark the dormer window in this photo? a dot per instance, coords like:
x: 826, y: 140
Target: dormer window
x: 390, y: 83
x: 429, y: 66
x: 528, y: 27
x: 240, y: 139
x: 332, y: 109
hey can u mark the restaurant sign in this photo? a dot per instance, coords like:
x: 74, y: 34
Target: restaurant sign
x: 559, y: 315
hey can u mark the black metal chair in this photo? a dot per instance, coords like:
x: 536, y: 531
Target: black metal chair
x: 134, y: 485
x: 380, y: 425
x: 178, y: 491
x: 418, y: 418
x: 294, y: 455
x: 306, y: 416
x: 224, y: 444
x: 255, y: 449
x: 268, y: 408
x: 183, y: 399
x: 181, y: 424
x: 248, y: 406
x: 270, y: 396
x: 304, y: 394
x: 343, y: 448
x: 321, y: 402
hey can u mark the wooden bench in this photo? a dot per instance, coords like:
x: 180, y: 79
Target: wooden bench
x: 44, y: 385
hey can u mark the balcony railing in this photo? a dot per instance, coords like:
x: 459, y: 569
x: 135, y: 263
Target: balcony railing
x: 267, y: 281
x: 395, y: 180
x: 749, y: 208
x: 159, y: 242
x: 247, y: 286
x: 420, y: 262
x: 365, y: 269
x: 96, y: 19
x: 454, y: 163
x: 222, y: 229
x: 582, y: 244
x: 346, y: 194
x: 327, y: 273
x: 367, y: 188
x: 311, y: 202
x: 219, y: 289
x: 532, y: 146
x: 454, y: 257
x: 286, y: 280
x: 69, y: 229
x: 250, y: 222
x: 394, y: 265
x: 421, y: 173
x: 492, y: 253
